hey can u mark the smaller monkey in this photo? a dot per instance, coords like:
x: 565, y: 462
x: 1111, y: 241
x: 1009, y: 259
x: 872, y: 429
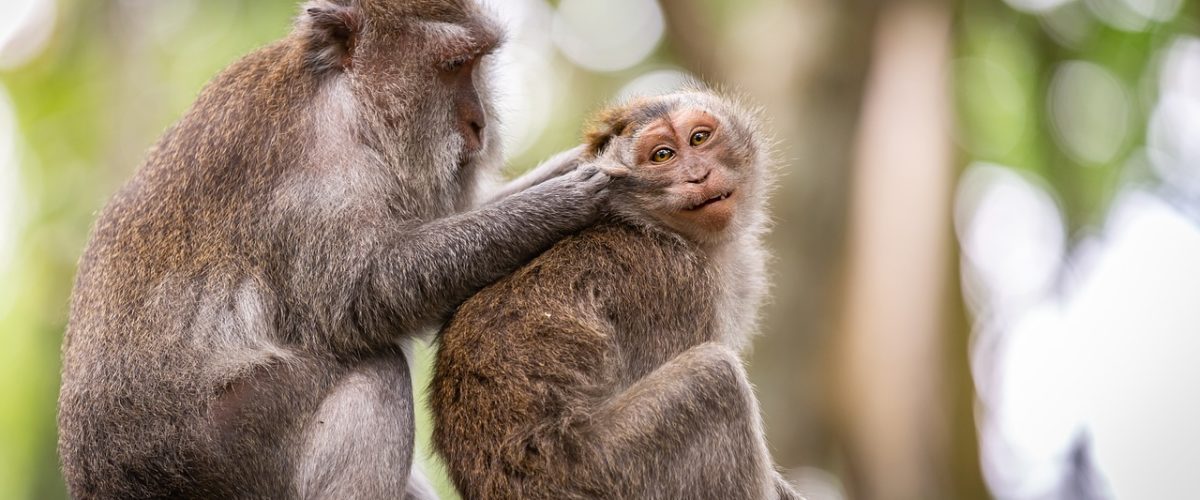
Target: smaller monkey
x: 609, y: 366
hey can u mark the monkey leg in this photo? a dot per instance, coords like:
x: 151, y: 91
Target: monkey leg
x: 359, y: 443
x: 690, y: 429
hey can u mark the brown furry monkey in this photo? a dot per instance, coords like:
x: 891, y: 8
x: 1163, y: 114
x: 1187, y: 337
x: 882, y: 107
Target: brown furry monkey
x: 240, y: 314
x: 608, y: 366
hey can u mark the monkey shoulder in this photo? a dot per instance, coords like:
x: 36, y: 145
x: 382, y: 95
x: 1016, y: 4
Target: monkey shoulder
x: 558, y: 315
x: 579, y: 291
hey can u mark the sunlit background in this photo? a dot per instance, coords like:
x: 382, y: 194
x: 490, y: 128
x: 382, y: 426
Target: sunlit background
x: 987, y: 273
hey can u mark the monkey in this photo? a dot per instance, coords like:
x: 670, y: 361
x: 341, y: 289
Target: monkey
x: 609, y: 366
x: 241, y: 313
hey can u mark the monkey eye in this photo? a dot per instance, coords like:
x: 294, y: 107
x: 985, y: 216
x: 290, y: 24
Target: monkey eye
x: 456, y: 63
x: 700, y: 137
x: 662, y: 155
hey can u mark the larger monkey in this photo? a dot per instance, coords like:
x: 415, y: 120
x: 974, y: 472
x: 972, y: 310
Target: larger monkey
x: 608, y: 366
x: 239, y: 315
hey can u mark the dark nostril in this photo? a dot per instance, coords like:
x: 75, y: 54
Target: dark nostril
x: 701, y: 179
x: 473, y: 135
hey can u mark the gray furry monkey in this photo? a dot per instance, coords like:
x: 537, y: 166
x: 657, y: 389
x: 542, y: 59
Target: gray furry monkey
x: 240, y: 314
x: 609, y: 367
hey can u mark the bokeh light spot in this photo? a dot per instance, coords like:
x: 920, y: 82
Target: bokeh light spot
x: 25, y: 29
x: 655, y: 83
x: 9, y: 180
x: 1173, y: 135
x: 1090, y: 110
x: 607, y: 36
x: 1012, y: 236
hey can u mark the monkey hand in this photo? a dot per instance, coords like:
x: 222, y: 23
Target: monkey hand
x: 581, y: 193
x: 572, y: 160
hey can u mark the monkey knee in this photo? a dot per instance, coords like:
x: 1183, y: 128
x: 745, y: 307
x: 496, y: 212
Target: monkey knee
x: 358, y: 444
x: 720, y: 361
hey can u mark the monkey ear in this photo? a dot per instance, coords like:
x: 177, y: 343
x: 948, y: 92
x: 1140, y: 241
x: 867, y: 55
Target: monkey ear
x: 609, y: 124
x: 331, y: 31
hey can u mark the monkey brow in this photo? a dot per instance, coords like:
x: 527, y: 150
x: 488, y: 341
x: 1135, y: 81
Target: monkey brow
x: 463, y: 38
x: 650, y: 112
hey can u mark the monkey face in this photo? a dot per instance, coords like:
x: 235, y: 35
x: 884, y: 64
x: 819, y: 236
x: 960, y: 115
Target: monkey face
x: 692, y: 162
x: 684, y: 153
x: 419, y: 72
x: 446, y: 78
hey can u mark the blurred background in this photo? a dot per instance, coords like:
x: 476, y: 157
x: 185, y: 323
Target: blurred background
x: 987, y: 273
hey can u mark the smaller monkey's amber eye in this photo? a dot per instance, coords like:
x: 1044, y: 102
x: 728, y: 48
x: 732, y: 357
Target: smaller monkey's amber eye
x: 663, y: 154
x: 700, y: 136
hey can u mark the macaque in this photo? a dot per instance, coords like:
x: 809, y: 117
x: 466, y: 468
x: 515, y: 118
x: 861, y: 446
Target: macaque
x: 609, y: 367
x: 241, y: 312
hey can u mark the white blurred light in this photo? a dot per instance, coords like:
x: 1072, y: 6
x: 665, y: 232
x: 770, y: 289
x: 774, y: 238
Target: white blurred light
x: 1089, y: 109
x: 655, y: 83
x: 1035, y: 5
x: 1174, y: 141
x: 1069, y: 25
x: 9, y: 181
x: 25, y: 29
x: 526, y: 89
x: 1034, y: 414
x: 527, y: 81
x: 1181, y: 68
x: 1133, y: 15
x: 1155, y: 10
x: 1138, y: 308
x: 816, y: 484
x: 1173, y: 134
x: 525, y: 21
x: 1011, y: 233
x: 607, y: 36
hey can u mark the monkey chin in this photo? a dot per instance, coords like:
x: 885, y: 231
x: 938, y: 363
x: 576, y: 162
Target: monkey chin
x: 708, y: 220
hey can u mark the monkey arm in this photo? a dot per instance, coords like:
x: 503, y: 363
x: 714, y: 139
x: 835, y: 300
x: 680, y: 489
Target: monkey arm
x: 689, y: 428
x: 557, y: 165
x: 420, y: 274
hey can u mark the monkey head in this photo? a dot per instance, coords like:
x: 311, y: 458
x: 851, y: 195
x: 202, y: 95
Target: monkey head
x: 696, y: 163
x: 414, y: 76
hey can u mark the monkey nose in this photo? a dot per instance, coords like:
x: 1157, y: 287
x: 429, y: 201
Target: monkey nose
x: 473, y: 135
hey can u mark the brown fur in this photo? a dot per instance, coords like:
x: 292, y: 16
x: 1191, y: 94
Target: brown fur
x: 240, y: 315
x: 608, y: 366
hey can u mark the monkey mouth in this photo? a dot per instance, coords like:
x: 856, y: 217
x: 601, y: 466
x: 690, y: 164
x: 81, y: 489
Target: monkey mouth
x: 715, y: 199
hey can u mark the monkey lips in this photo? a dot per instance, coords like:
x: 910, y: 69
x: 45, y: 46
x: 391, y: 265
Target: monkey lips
x: 710, y: 201
x: 711, y: 210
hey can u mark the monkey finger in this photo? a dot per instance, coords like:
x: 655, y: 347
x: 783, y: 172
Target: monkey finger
x: 614, y: 169
x: 593, y: 179
x: 587, y: 171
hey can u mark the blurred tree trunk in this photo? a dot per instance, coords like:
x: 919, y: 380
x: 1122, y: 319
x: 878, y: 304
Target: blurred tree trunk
x: 899, y: 381
x: 887, y: 367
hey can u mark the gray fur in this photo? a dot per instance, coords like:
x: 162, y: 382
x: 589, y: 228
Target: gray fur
x: 239, y: 317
